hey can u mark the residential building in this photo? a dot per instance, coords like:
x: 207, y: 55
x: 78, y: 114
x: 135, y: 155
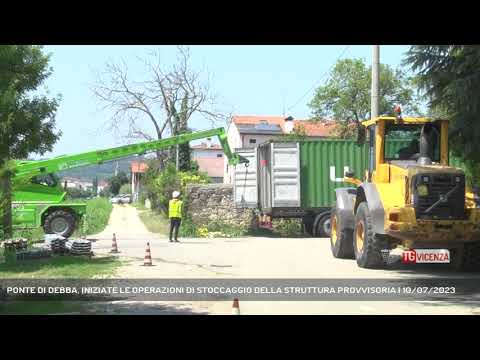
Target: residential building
x: 210, y: 159
x: 137, y: 170
x: 101, y: 186
x: 77, y: 183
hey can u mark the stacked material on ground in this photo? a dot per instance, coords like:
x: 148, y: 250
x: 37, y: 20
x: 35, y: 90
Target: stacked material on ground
x: 15, y: 244
x: 34, y: 253
x: 55, y: 243
x: 79, y: 247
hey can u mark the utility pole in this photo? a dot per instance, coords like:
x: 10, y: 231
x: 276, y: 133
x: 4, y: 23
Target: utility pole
x: 375, y: 81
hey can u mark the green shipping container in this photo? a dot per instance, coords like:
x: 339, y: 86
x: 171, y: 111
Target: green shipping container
x: 296, y: 178
x: 323, y: 164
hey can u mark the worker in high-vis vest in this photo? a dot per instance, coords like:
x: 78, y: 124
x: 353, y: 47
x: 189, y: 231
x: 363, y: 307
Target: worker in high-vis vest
x: 175, y: 214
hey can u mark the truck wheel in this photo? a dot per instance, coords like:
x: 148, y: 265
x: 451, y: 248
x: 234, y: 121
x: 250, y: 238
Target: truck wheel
x: 340, y: 238
x: 322, y: 225
x: 59, y: 222
x: 367, y: 246
x: 308, y: 226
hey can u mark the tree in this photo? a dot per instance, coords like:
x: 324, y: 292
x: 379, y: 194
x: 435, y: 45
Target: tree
x: 115, y: 182
x: 27, y: 119
x: 125, y: 189
x: 95, y: 186
x: 449, y: 75
x: 76, y: 193
x: 298, y: 133
x: 345, y: 97
x: 159, y: 185
x: 166, y: 100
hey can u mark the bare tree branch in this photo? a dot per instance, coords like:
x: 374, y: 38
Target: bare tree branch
x: 167, y: 99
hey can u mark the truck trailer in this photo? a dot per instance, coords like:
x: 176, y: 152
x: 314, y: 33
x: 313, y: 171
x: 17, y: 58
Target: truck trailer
x: 297, y: 179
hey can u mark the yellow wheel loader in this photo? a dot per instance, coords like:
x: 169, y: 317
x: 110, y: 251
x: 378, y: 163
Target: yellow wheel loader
x: 409, y: 199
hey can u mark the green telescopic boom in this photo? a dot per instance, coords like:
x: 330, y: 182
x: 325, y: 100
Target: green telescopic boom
x: 30, y: 169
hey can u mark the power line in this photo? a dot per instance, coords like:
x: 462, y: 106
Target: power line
x: 321, y: 78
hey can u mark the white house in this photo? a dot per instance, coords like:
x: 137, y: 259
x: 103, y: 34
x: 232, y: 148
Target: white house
x: 210, y: 159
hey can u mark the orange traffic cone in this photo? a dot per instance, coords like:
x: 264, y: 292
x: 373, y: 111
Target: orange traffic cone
x: 114, y: 245
x: 235, y: 307
x: 148, y: 257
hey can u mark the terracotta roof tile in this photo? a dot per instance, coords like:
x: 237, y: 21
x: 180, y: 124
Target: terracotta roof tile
x: 311, y: 128
x: 138, y: 167
x: 204, y: 146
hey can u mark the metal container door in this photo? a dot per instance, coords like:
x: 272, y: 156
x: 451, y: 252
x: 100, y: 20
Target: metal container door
x: 285, y: 175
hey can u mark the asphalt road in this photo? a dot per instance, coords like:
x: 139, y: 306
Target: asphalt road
x: 264, y: 257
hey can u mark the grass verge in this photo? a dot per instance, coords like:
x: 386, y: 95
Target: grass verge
x: 154, y: 222
x: 73, y: 267
x: 98, y: 213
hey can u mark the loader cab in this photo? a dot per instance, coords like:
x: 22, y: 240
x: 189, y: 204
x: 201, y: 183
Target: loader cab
x: 404, y: 142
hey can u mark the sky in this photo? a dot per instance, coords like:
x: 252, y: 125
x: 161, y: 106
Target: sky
x: 249, y: 80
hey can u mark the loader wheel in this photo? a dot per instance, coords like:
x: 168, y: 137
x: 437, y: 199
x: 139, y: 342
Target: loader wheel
x: 466, y: 258
x: 59, y: 222
x: 340, y: 238
x: 367, y: 245
x: 471, y: 257
x: 323, y: 225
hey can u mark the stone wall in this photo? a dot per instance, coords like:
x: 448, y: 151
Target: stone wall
x: 214, y: 203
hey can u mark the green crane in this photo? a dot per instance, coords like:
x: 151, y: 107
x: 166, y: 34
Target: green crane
x: 41, y: 203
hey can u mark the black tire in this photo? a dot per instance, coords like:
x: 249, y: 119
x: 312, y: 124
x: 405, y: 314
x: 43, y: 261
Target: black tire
x: 60, y: 222
x: 366, y: 244
x: 341, y: 238
x: 308, y: 226
x: 323, y: 225
x: 466, y: 258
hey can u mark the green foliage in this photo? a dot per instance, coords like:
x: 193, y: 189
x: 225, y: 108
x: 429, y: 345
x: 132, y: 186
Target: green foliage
x: 95, y: 185
x: 105, y: 193
x: 75, y: 193
x: 125, y: 189
x: 98, y: 213
x: 187, y: 228
x: 211, y: 230
x: 287, y: 227
x: 73, y: 267
x: 298, y: 133
x: 115, y: 182
x: 154, y: 221
x: 32, y: 235
x: 345, y: 97
x: 449, y: 76
x: 220, y: 229
x: 27, y: 119
x: 159, y: 185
